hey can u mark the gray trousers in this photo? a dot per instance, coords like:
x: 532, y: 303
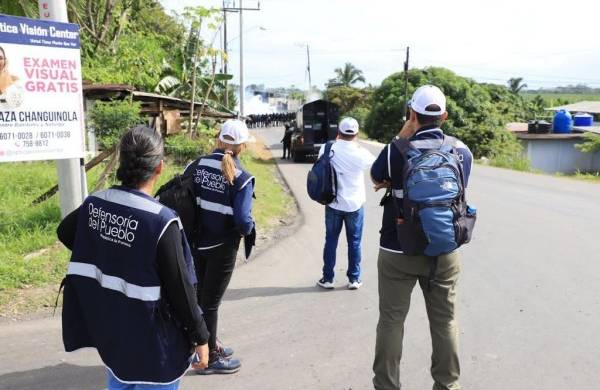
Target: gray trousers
x: 398, y: 275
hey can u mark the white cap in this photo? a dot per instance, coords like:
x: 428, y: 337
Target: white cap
x: 349, y: 126
x: 236, y: 129
x: 425, y: 96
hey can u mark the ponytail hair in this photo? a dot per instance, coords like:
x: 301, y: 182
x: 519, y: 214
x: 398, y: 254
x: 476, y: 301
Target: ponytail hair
x: 228, y: 166
x: 140, y: 152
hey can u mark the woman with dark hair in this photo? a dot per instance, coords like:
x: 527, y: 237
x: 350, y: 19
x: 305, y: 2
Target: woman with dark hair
x: 6, y: 79
x: 224, y: 192
x: 129, y: 290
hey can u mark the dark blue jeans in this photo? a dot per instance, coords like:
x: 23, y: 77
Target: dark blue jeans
x: 334, y: 219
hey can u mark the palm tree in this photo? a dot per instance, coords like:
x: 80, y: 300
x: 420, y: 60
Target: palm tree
x: 516, y: 84
x: 347, y: 76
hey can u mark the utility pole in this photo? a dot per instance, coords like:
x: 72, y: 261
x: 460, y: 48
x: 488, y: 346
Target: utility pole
x: 406, y: 84
x: 225, y: 51
x: 72, y: 183
x: 241, y: 61
x: 302, y: 44
x: 308, y: 68
x: 240, y: 9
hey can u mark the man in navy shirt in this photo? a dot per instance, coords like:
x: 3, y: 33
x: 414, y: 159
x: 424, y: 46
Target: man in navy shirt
x: 398, y: 273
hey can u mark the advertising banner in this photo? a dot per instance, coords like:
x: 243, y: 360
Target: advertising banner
x: 41, y: 101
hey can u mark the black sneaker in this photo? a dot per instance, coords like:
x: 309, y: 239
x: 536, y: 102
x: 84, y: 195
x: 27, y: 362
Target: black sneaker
x: 326, y: 284
x: 218, y: 364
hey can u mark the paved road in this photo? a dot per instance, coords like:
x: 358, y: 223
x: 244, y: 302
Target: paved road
x: 529, y: 302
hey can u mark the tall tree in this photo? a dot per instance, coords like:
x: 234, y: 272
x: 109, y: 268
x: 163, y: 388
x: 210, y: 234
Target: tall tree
x: 516, y: 84
x: 191, y: 71
x: 347, y: 76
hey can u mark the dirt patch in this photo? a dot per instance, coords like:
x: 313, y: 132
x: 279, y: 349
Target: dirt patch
x: 260, y: 149
x: 30, y: 303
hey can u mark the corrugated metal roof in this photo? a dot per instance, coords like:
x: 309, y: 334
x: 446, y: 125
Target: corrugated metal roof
x: 591, y: 129
x: 552, y: 136
x: 591, y: 107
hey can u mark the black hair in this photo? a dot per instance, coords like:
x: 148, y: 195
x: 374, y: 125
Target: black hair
x: 3, y: 52
x: 140, y: 152
x: 428, y: 120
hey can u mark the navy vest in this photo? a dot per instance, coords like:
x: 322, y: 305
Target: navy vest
x: 112, y: 298
x: 214, y: 197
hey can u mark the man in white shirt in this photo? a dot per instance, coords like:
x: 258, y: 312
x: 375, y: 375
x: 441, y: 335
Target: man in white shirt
x: 350, y: 160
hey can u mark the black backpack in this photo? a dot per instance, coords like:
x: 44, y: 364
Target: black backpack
x: 321, y: 183
x: 178, y: 194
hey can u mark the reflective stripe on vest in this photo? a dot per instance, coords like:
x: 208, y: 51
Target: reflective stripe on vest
x: 212, y: 206
x: 129, y: 200
x: 114, y: 283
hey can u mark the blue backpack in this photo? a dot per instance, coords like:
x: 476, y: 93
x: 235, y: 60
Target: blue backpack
x: 435, y: 218
x: 321, y: 182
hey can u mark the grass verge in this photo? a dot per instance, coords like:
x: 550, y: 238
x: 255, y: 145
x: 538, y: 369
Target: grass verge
x: 272, y: 202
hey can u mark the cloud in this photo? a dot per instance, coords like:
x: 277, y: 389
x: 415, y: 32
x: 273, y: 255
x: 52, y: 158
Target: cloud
x: 490, y: 41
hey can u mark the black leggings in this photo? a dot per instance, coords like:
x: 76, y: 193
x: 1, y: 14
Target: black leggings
x: 214, y: 268
x: 286, y: 148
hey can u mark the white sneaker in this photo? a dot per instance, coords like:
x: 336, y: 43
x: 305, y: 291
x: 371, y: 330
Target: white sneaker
x: 325, y: 284
x: 355, y: 285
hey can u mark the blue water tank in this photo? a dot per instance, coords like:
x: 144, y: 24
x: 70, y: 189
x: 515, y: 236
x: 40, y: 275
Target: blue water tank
x: 562, y: 122
x: 583, y: 119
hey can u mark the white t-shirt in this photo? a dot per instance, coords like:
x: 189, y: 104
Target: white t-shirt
x: 350, y: 161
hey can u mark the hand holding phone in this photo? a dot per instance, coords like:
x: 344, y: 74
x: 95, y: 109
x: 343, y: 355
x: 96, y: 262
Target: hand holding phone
x: 409, y: 129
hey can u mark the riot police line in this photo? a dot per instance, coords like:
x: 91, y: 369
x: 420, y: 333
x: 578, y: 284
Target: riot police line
x: 269, y: 120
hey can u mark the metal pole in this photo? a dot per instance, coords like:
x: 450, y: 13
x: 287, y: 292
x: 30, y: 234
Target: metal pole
x: 72, y: 185
x: 241, y: 62
x: 309, y: 79
x: 225, y: 51
x: 406, y: 84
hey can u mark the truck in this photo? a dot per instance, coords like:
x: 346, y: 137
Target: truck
x: 316, y: 123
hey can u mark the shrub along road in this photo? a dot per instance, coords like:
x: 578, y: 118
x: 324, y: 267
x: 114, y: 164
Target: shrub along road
x: 529, y: 302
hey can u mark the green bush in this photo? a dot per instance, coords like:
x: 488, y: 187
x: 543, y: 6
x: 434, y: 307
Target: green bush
x: 348, y: 98
x: 591, y: 143
x: 138, y: 61
x: 182, y: 149
x: 110, y: 120
x: 360, y: 114
x: 477, y: 112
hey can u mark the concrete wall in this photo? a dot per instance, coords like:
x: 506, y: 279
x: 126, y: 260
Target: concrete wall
x: 559, y: 155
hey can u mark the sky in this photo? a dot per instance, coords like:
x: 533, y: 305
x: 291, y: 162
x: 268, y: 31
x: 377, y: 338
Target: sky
x: 548, y: 43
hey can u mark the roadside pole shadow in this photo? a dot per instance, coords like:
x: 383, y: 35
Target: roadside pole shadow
x: 60, y: 377
x: 236, y: 294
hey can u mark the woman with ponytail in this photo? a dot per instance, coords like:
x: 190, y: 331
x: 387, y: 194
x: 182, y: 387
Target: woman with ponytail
x: 224, y: 192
